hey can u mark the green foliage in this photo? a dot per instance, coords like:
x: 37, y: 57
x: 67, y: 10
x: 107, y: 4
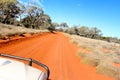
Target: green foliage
x: 84, y: 31
x: 64, y: 25
x: 46, y: 21
x: 60, y: 29
x: 30, y: 17
x: 93, y: 33
x: 9, y: 11
x: 70, y: 30
x: 54, y: 24
x: 36, y: 18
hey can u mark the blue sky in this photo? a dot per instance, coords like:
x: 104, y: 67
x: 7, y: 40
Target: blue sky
x: 103, y: 14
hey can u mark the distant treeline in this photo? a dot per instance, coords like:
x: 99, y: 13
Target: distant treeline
x: 84, y: 31
x: 93, y: 33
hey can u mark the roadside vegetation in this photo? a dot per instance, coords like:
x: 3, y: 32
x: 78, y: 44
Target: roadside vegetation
x: 103, y: 55
x: 17, y: 18
x: 84, y: 31
x: 15, y: 13
x: 93, y: 33
x: 10, y: 30
x: 30, y: 16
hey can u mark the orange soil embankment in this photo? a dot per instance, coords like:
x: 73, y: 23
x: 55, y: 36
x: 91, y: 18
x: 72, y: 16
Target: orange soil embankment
x: 116, y: 65
x: 58, y: 54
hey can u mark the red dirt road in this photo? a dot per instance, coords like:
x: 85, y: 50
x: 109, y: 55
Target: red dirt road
x: 58, y: 54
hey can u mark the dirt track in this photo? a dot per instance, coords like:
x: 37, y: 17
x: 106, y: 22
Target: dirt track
x: 58, y: 54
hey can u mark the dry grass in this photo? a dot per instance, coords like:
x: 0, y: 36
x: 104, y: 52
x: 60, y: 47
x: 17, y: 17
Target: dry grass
x: 109, y: 70
x: 89, y: 58
x: 90, y: 61
x: 10, y: 30
x: 74, y: 42
x: 81, y: 54
x: 100, y: 54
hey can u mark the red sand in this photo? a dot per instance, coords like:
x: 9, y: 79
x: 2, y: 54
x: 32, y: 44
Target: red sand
x: 116, y: 65
x: 58, y: 54
x: 107, y: 50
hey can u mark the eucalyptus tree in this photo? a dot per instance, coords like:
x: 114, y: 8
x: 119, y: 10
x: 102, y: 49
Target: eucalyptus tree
x: 22, y: 11
x: 84, y: 31
x: 95, y: 33
x: 64, y: 25
x: 34, y: 14
x: 71, y: 30
x: 9, y: 10
x: 45, y: 21
x: 54, y: 25
x: 35, y: 18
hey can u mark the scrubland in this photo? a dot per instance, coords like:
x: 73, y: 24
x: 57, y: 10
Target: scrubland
x: 10, y: 30
x: 103, y: 55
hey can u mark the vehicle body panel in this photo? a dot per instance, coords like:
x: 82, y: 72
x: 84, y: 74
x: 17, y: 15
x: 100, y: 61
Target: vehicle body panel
x: 15, y: 70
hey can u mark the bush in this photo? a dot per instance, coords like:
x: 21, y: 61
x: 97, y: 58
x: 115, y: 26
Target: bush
x: 108, y: 70
x: 90, y: 61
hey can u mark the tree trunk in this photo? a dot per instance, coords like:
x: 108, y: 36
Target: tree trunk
x: 6, y: 18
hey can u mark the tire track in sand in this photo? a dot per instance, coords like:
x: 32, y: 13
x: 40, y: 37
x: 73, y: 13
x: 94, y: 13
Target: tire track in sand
x: 58, y: 54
